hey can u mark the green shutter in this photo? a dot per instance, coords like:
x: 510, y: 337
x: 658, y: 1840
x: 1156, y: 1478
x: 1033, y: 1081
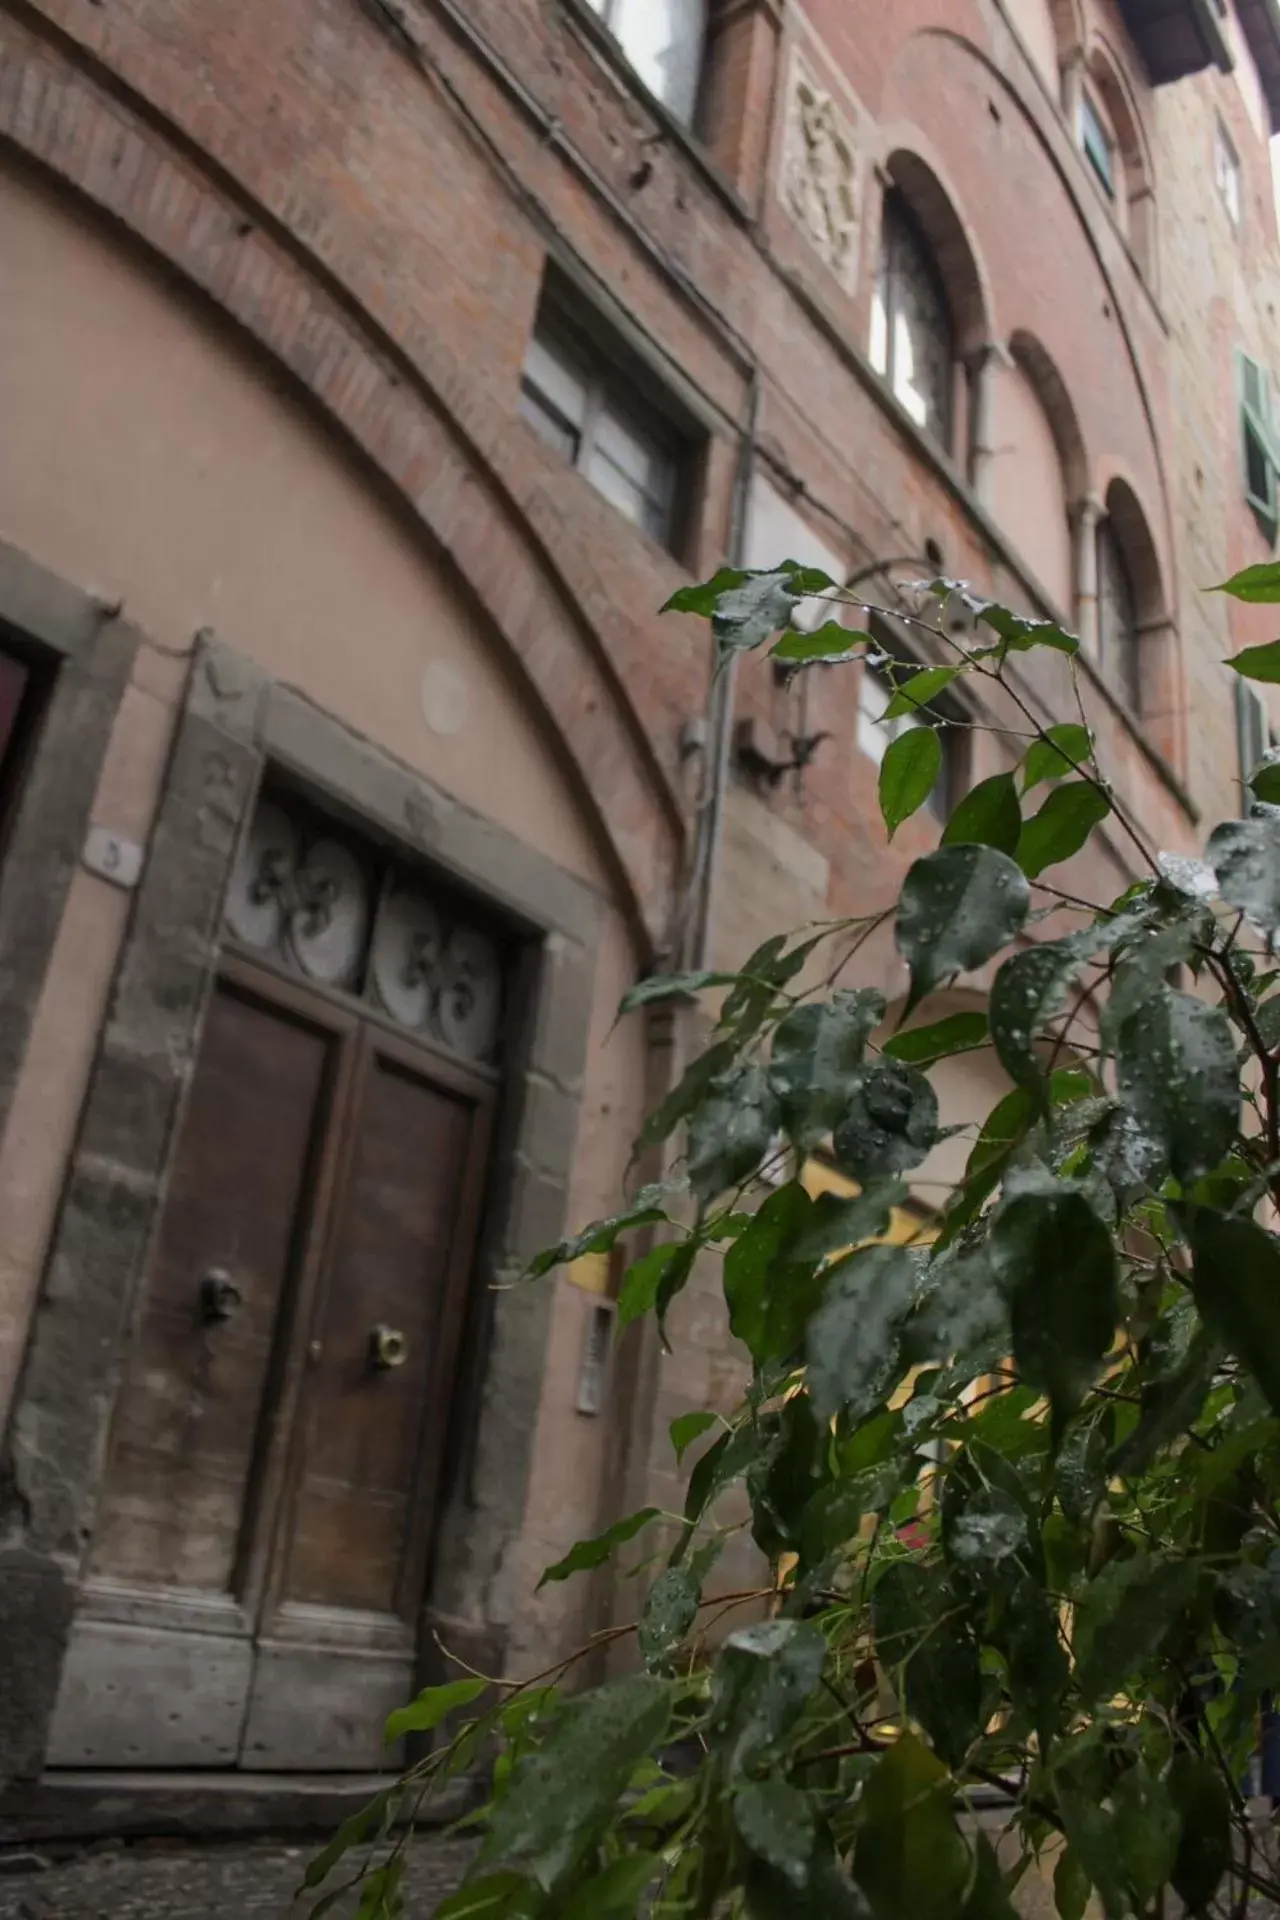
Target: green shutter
x: 1260, y: 458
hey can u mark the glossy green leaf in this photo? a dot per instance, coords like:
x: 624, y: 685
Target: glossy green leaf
x: 908, y: 774
x: 1245, y: 855
x: 756, y: 1272
x: 705, y: 597
x: 1236, y: 1278
x: 1021, y: 635
x: 366, y: 1824
x: 1145, y: 1830
x: 1264, y: 782
x: 689, y: 1427
x: 817, y: 1052
x: 1170, y: 1405
x: 433, y: 1706
x: 917, y: 689
x: 889, y: 1122
x: 852, y: 1341
x: 1176, y: 1068
x: 1258, y: 663
x: 685, y: 1095
x: 777, y: 1823
x: 831, y: 642
x: 827, y: 1894
x: 564, y: 1792
x: 732, y: 1130
x: 1200, y: 1798
x: 957, y: 908
x: 616, y: 1893
x: 911, y: 1858
x: 961, y: 1315
x: 1055, y: 1264
x: 603, y: 1235
x: 837, y: 1224
x: 1062, y: 826
x: 657, y: 1273
x: 1123, y: 1615
x: 1259, y: 584
x: 671, y: 986
x: 988, y: 816
x: 922, y: 1046
x: 761, y: 1686
x: 932, y: 1654
x: 497, y: 1896
x: 668, y: 1613
x: 588, y: 1554
x: 1031, y: 989
x: 1071, y: 1886
x: 1063, y: 750
x: 746, y: 616
x: 989, y: 1898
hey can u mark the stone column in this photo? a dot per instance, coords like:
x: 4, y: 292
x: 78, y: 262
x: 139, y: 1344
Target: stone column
x: 984, y: 366
x: 1087, y: 516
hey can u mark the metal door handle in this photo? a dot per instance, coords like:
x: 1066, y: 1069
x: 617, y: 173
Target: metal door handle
x: 219, y: 1296
x: 388, y: 1349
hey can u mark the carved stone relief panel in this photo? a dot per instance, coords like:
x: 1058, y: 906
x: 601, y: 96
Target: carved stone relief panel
x: 820, y: 182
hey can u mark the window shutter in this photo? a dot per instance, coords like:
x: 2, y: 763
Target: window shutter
x: 1258, y: 446
x: 1252, y: 732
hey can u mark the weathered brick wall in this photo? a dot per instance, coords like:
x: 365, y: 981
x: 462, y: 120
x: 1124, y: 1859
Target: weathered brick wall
x: 369, y: 191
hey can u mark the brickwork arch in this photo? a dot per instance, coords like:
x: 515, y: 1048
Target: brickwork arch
x: 915, y: 171
x: 437, y: 440
x: 1039, y: 366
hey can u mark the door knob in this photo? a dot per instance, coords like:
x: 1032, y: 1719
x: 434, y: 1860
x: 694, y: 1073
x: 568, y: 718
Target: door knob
x: 388, y: 1349
x: 219, y: 1296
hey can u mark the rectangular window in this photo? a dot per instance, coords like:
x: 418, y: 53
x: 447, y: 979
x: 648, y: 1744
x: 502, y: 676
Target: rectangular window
x: 663, y: 42
x: 1259, y: 455
x: 1226, y: 173
x: 1096, y: 143
x: 599, y: 419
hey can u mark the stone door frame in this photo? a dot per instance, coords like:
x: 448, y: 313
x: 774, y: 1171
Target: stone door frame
x: 236, y: 724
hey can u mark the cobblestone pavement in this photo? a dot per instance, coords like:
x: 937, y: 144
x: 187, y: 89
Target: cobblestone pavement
x: 216, y: 1881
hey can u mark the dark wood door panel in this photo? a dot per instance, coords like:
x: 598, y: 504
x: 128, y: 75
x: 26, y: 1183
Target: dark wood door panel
x: 191, y: 1410
x: 393, y: 1266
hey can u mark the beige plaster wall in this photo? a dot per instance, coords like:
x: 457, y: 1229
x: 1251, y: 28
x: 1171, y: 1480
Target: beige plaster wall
x: 144, y: 455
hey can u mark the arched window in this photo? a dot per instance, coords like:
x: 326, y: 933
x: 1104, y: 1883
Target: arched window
x: 1118, y: 643
x: 912, y: 333
x: 1110, y: 138
x: 663, y: 41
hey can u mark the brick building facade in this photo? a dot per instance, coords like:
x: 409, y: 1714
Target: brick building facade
x: 370, y: 372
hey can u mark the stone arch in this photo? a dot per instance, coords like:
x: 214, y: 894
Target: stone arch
x: 440, y: 445
x: 1042, y: 371
x: 917, y: 176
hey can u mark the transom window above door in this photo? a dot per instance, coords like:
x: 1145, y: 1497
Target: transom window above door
x: 341, y: 913
x: 662, y: 40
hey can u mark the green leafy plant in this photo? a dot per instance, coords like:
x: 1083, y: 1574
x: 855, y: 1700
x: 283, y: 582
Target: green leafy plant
x: 1012, y: 1479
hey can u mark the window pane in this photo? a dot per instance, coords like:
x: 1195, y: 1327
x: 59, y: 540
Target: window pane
x: 551, y: 374
x: 1096, y: 143
x: 663, y: 41
x: 1117, y: 618
x: 918, y: 346
x: 619, y: 488
x: 1258, y: 477
x: 549, y: 426
x: 631, y: 452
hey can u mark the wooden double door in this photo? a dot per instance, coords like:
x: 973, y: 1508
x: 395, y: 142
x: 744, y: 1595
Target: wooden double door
x: 254, y: 1589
